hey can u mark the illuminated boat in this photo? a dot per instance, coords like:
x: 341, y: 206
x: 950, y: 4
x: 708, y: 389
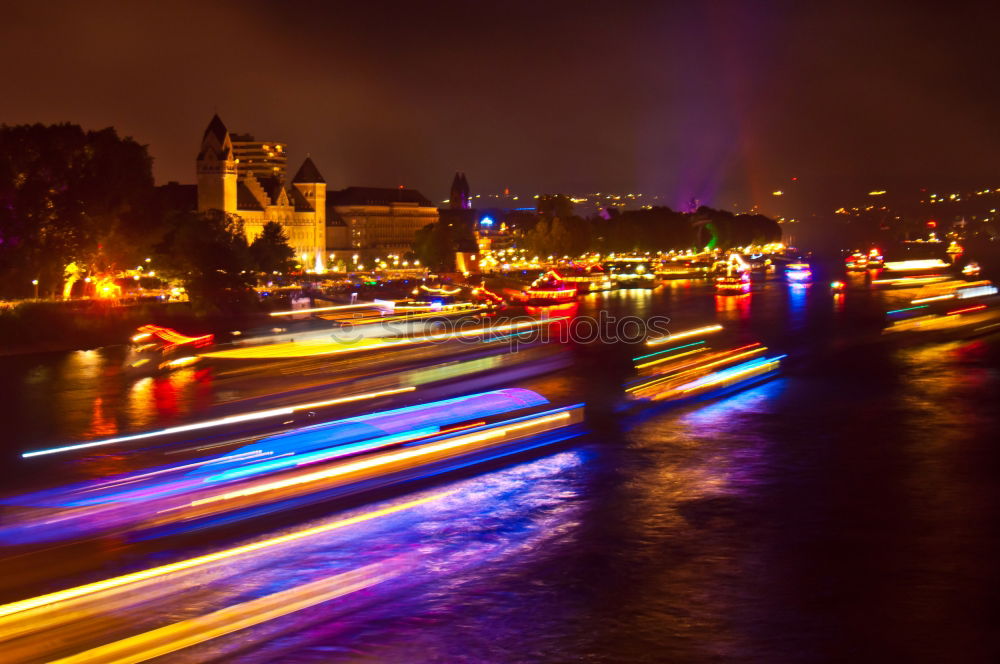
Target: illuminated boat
x: 913, y: 264
x: 683, y: 269
x: 549, y: 289
x: 306, y: 464
x: 798, y: 273
x: 949, y: 309
x: 733, y: 284
x: 736, y: 279
x: 689, y: 369
x: 587, y: 278
x: 856, y: 262
x: 155, y: 348
x: 631, y: 273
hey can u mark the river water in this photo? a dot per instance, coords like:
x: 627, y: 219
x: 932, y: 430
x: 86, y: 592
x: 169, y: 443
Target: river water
x: 845, y: 511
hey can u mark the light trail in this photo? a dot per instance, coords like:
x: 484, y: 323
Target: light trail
x: 231, y: 419
x: 51, y: 600
x: 340, y: 307
x: 735, y: 373
x: 670, y: 357
x: 191, y: 632
x: 708, y: 329
x: 388, y: 458
x: 934, y: 298
x: 978, y: 307
x: 726, y: 357
x: 668, y: 350
x: 294, y: 350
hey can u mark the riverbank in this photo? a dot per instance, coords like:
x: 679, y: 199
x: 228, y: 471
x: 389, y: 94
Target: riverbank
x: 44, y: 327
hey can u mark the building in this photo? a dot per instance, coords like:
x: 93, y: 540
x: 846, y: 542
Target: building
x: 460, y: 198
x: 373, y: 222
x: 299, y: 206
x: 262, y: 158
x: 246, y: 178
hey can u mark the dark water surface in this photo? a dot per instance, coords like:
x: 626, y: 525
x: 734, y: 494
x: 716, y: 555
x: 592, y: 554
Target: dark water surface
x: 846, y: 511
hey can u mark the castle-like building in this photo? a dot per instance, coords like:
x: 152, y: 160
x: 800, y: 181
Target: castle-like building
x: 366, y: 222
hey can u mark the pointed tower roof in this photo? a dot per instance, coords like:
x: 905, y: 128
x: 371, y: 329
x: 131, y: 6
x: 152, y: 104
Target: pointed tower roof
x: 308, y: 173
x: 215, y: 128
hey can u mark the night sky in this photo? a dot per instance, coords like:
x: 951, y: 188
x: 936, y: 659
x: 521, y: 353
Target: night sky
x: 724, y: 102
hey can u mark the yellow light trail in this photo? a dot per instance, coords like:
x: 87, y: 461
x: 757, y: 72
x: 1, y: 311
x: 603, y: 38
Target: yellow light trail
x: 51, y: 599
x: 312, y: 349
x: 382, y: 460
x: 726, y: 358
x: 670, y: 357
x: 934, y: 298
x: 340, y: 307
x: 191, y: 632
x: 231, y: 419
x: 708, y: 329
x: 760, y: 368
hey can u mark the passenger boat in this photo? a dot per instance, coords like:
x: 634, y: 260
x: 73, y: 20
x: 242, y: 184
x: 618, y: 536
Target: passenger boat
x: 735, y: 284
x: 685, y: 268
x: 856, y: 262
x: 798, y: 273
x: 631, y: 272
x: 549, y: 289
x: 155, y: 348
x: 736, y: 279
x: 587, y: 278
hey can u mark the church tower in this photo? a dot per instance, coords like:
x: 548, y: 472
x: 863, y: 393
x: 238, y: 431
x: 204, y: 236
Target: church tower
x: 216, y: 169
x: 460, y: 198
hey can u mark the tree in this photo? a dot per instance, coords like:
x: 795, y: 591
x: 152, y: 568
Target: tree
x: 68, y: 196
x: 270, y: 250
x: 208, y: 252
x: 437, y: 243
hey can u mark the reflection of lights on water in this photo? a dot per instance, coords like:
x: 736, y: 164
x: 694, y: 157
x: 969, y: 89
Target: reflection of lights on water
x: 55, y: 600
x: 511, y: 516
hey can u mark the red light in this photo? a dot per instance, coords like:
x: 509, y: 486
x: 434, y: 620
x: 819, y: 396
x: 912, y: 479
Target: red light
x: 932, y: 224
x: 963, y: 311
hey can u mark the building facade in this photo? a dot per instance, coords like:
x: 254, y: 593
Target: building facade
x: 373, y: 222
x: 262, y: 158
x: 299, y: 206
x: 246, y: 178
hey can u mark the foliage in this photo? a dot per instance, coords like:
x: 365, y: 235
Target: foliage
x: 651, y: 229
x: 270, y: 251
x: 69, y: 195
x: 435, y: 244
x: 208, y: 251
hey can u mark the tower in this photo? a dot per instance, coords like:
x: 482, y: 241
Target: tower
x: 216, y: 169
x: 310, y: 184
x: 460, y: 198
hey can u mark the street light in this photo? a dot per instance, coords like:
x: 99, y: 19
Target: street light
x: 34, y: 282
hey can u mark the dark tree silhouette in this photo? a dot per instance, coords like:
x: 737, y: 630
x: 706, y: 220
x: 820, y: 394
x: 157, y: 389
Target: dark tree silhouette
x: 69, y: 195
x: 270, y: 250
x: 208, y: 251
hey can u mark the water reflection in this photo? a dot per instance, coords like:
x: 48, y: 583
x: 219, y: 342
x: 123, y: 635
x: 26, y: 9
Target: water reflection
x: 733, y: 307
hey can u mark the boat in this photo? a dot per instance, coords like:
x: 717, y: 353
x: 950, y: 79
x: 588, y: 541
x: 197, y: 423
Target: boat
x: 589, y: 278
x: 683, y: 268
x: 736, y: 278
x: 856, y: 262
x: 631, y: 272
x: 549, y: 289
x: 155, y: 348
x: 798, y: 273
